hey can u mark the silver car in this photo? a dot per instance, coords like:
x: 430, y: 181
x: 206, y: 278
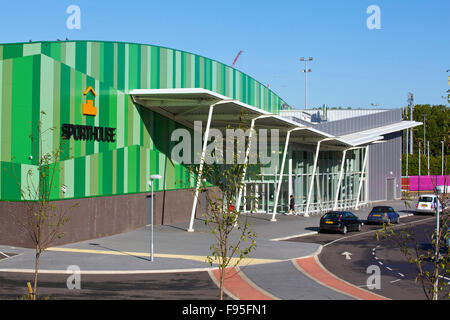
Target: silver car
x: 428, y: 204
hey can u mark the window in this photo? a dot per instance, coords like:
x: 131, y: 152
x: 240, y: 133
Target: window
x: 380, y: 209
x: 426, y: 199
x: 332, y: 215
x: 350, y: 215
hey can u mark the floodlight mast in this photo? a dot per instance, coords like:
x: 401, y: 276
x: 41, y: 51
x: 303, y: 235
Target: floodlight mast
x: 411, y: 110
x: 306, y: 71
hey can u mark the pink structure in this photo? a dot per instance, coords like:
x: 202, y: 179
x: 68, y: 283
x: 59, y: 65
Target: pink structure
x: 426, y: 183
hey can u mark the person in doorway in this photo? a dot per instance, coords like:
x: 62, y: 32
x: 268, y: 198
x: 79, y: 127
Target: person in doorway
x: 292, y: 206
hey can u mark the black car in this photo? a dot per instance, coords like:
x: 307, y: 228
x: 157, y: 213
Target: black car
x: 341, y: 221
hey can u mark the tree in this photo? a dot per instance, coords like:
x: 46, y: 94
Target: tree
x: 436, y: 126
x: 234, y: 237
x: 413, y: 165
x: 44, y: 220
x: 432, y: 263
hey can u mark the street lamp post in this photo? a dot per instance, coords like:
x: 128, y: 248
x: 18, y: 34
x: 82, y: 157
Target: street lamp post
x: 407, y: 153
x: 306, y: 71
x: 411, y: 110
x: 435, y: 287
x: 424, y: 132
x: 442, y: 160
x: 153, y: 177
x: 418, y: 189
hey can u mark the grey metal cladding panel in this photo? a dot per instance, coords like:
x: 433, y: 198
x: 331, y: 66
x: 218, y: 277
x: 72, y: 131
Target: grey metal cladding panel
x: 383, y: 159
x: 300, y: 121
x: 397, y: 159
x: 334, y: 115
x: 347, y: 126
x: 375, y: 167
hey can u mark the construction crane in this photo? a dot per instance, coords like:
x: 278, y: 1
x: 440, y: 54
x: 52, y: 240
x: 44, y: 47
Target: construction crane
x: 237, y: 57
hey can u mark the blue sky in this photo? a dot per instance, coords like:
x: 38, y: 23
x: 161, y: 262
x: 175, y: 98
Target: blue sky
x: 353, y: 66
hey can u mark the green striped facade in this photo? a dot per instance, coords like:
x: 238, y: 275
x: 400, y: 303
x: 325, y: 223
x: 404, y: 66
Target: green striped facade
x: 51, y: 77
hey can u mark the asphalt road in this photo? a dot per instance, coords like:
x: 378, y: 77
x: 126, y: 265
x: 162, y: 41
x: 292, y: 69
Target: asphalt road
x: 363, y: 250
x: 349, y: 257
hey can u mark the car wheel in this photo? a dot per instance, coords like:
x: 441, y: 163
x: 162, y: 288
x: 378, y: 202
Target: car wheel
x: 344, y: 230
x: 359, y: 227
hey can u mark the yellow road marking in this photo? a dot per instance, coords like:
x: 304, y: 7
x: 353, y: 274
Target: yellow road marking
x: 244, y: 262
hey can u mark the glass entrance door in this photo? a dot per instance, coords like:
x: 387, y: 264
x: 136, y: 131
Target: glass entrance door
x: 263, y: 197
x: 255, y: 199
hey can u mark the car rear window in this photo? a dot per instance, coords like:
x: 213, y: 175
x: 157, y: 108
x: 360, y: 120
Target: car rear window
x: 425, y: 199
x: 332, y: 215
x: 381, y: 209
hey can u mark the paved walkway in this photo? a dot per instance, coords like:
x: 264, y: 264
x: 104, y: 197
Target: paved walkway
x: 276, y: 269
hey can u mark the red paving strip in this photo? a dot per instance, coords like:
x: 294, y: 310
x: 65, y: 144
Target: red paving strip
x: 311, y: 267
x: 240, y: 287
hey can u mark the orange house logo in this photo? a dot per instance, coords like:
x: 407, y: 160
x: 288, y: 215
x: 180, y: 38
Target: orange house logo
x: 88, y: 132
x: 88, y: 108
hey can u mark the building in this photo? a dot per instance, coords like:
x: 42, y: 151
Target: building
x: 113, y: 107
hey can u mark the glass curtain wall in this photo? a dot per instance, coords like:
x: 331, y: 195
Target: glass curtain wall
x: 326, y: 180
x: 325, y: 183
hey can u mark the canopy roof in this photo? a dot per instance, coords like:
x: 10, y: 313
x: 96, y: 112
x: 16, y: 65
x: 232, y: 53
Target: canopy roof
x: 186, y: 105
x: 375, y: 134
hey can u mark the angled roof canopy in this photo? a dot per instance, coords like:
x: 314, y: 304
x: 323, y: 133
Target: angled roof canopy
x: 186, y: 105
x: 371, y: 135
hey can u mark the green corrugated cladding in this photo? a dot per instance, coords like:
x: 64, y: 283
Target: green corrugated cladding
x: 50, y: 77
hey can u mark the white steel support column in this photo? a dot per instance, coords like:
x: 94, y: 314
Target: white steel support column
x: 247, y: 153
x: 202, y: 161
x: 311, y: 186
x: 363, y: 176
x: 280, y: 179
x: 290, y: 186
x: 319, y: 193
x: 341, y: 174
x: 366, y: 180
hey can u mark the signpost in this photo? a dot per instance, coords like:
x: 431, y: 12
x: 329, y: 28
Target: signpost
x: 153, y: 177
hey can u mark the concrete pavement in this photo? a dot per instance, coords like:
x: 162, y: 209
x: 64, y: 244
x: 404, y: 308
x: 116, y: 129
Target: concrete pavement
x: 270, y: 271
